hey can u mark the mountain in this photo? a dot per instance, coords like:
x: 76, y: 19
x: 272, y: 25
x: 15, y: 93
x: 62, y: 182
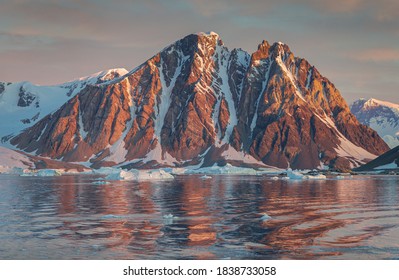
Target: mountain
x: 198, y: 103
x: 381, y: 116
x: 389, y: 161
x: 23, y: 104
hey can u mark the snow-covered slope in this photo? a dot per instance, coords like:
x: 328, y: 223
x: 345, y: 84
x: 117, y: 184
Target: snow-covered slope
x: 10, y: 160
x: 22, y: 104
x: 381, y: 116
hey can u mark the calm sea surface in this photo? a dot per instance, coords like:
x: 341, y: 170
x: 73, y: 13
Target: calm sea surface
x: 225, y: 217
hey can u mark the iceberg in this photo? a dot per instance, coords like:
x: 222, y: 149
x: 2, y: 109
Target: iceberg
x: 265, y: 217
x: 42, y: 172
x: 100, y: 183
x: 169, y: 219
x: 227, y: 169
x: 294, y: 175
x: 297, y: 175
x: 136, y: 175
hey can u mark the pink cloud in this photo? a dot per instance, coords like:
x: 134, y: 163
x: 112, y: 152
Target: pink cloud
x: 377, y: 55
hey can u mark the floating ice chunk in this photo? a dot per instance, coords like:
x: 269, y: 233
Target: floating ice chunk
x: 48, y: 172
x: 110, y: 216
x: 106, y: 170
x: 42, y: 172
x: 265, y: 217
x: 274, y: 178
x: 120, y: 175
x: 176, y: 171
x: 100, y: 183
x: 169, y: 219
x: 316, y: 177
x: 205, y: 177
x: 294, y: 175
x: 98, y: 247
x: 168, y: 216
x: 134, y: 174
x: 227, y: 169
x: 340, y: 177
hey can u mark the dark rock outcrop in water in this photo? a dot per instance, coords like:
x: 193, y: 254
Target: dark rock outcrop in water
x: 387, y: 161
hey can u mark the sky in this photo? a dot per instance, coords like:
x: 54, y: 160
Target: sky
x: 354, y: 43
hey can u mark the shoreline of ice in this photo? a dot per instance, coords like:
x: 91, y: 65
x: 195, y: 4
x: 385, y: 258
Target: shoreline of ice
x: 110, y: 174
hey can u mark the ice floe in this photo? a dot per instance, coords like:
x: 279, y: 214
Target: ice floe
x: 42, y: 172
x: 100, y: 183
x: 135, y: 175
x: 265, y: 217
x: 227, y: 169
x: 299, y: 175
x: 169, y: 219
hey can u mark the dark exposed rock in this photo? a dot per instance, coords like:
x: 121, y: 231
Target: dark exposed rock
x: 389, y: 158
x: 25, y: 98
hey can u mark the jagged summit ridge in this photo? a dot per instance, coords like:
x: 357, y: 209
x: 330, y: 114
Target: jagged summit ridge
x: 198, y: 103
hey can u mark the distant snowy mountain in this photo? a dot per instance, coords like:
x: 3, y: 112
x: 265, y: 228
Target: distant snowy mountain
x: 23, y: 104
x: 196, y: 103
x: 381, y: 116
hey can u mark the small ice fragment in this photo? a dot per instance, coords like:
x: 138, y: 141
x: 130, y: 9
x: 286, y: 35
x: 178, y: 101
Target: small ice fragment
x: 134, y: 174
x: 265, y: 217
x: 205, y: 177
x: 110, y: 216
x: 294, y: 175
x: 316, y: 177
x: 169, y: 218
x: 100, y: 183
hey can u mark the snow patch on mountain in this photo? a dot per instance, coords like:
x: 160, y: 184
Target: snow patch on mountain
x: 11, y: 160
x: 232, y: 154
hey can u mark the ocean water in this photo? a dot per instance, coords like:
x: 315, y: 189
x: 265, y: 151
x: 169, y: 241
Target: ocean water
x: 224, y: 217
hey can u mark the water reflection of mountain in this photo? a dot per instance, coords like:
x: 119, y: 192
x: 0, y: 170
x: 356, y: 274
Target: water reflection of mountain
x: 190, y: 218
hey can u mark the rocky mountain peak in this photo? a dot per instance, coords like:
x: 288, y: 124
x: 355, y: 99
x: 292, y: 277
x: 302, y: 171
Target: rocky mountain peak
x: 198, y: 103
x: 262, y: 52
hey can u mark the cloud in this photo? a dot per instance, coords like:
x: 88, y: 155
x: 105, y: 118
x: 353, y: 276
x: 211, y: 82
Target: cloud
x: 47, y: 41
x: 377, y: 55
